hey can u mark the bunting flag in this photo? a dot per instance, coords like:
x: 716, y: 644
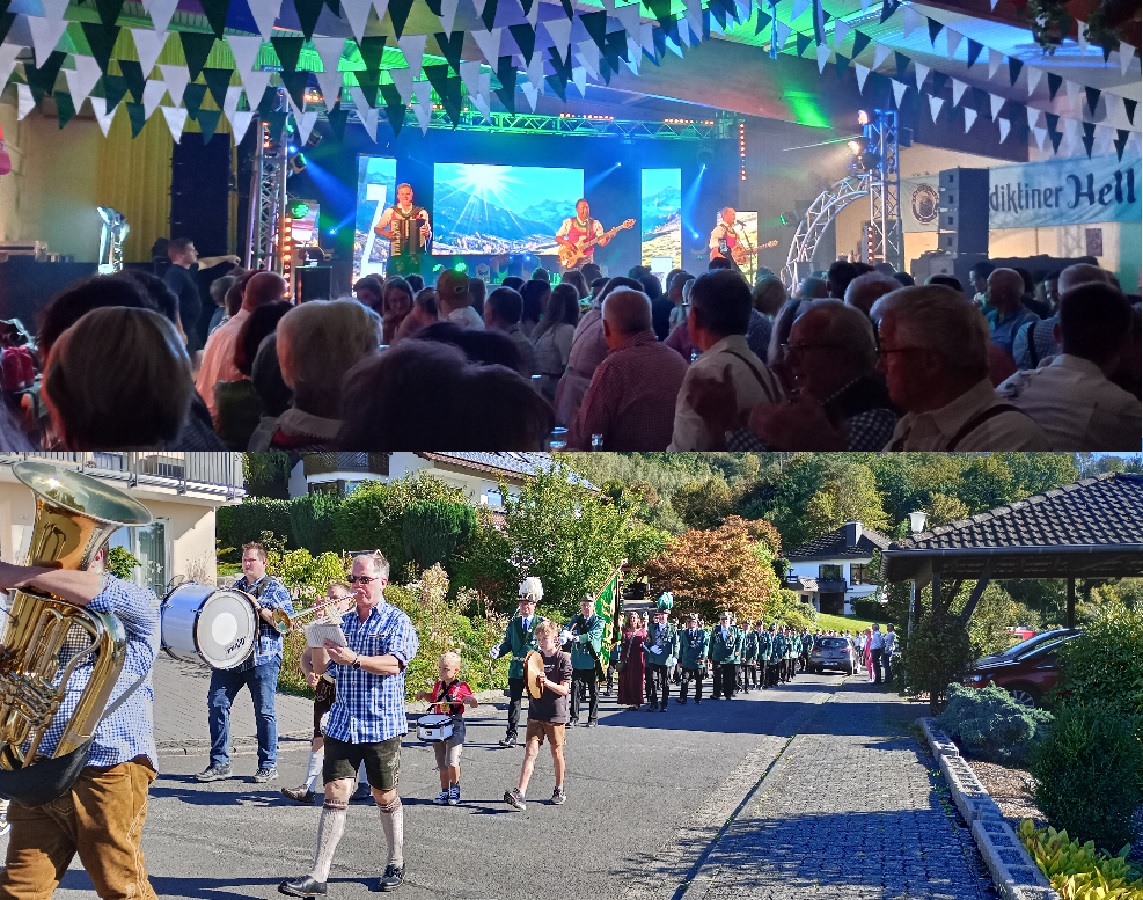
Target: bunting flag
x: 862, y: 73
x: 80, y: 81
x: 489, y: 44
x: 1039, y: 134
x: 153, y: 95
x: 399, y: 15
x: 840, y: 33
x: 370, y: 82
x: 215, y: 12
x: 899, y: 89
x: 995, y: 104
x: 995, y: 61
x: 208, y: 120
x: 506, y: 75
x: 860, y: 41
x: 329, y: 83
x: 101, y: 41
x: 402, y: 81
x: 1005, y: 128
x: 265, y: 13
x: 305, y: 123
x: 781, y: 34
x: 922, y: 72
x: 233, y: 97
x: 357, y: 15
x: 1081, y: 36
x: 160, y: 12
x: 969, y: 118
x: 218, y: 83
x: 935, y: 104
x: 803, y: 42
x: 525, y: 37
x: 588, y: 53
x: 25, y: 102
x: 901, y: 64
x: 42, y: 79
x: 1033, y: 115
x: 148, y: 45
x: 1055, y: 82
x: 910, y: 21
x: 595, y: 23
x: 1129, y: 107
x: 138, y: 117
x: 254, y: 83
x: 448, y: 15
x: 196, y: 49
x: 193, y: 95
x: 1126, y: 56
x: 133, y: 74
x: 487, y: 12
x: 337, y: 119
x: 935, y: 28
x: 240, y: 124
x: 888, y: 7
x: 295, y: 85
x: 579, y: 78
x: 1093, y: 95
x: 952, y: 42
x: 451, y: 46
x: 823, y: 56
x: 447, y: 88
x: 559, y: 30
x: 104, y: 116
x: 1088, y: 137
x: 1121, y: 139
x: 114, y: 89
x: 395, y: 109
x: 65, y: 109
x: 1034, y: 77
x: 880, y: 54
x: 1014, y: 67
x: 974, y: 50
x: 48, y: 28
x: 288, y: 49
x: 8, y: 53
x: 841, y: 62
x: 372, y: 51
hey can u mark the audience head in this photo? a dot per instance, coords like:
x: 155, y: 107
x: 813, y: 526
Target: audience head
x: 812, y: 289
x: 768, y: 295
x: 719, y: 264
x: 452, y: 292
x: 535, y: 297
x: 563, y: 308
x: 318, y: 342
x: 219, y: 288
x: 651, y: 286
x: 1082, y: 273
x: 978, y: 275
x: 1029, y: 281
x: 262, y: 322
x: 490, y: 348
x: 866, y: 289
x: 266, y: 376
x: 840, y: 274
x: 235, y: 294
x: 263, y: 288
x: 119, y: 378
x: 780, y: 333
x: 541, y: 274
x: 720, y: 307
x: 515, y: 282
x: 949, y: 281
x: 590, y: 272
x: 416, y: 282
x: 829, y: 346
x: 574, y: 277
x: 370, y: 290
x: 182, y: 252
x: 503, y: 309
x: 1005, y: 288
x: 626, y: 313
x: 67, y: 307
x: 476, y: 294
x: 597, y: 285
x: 1095, y: 323
x: 904, y: 279
x: 166, y: 303
x: 396, y: 304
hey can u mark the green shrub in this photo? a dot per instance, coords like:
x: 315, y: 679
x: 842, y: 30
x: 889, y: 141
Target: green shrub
x: 1086, y: 770
x: 869, y: 608
x: 312, y: 523
x: 1105, y: 663
x: 433, y: 531
x: 121, y: 563
x: 244, y: 522
x: 987, y: 723
x: 936, y: 654
x: 1079, y: 872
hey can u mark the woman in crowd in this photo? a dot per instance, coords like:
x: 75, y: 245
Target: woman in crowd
x: 425, y: 313
x: 632, y: 667
x: 553, y: 337
x: 396, y: 304
x: 536, y: 294
x: 239, y: 408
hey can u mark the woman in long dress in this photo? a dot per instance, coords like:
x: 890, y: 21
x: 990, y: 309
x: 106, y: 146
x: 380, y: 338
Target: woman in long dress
x: 631, y: 664
x: 868, y: 652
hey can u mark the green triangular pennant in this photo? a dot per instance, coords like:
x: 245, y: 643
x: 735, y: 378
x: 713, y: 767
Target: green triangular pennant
x: 1014, y: 67
x: 399, y: 15
x: 114, y: 89
x: 337, y: 118
x: 525, y: 37
x: 559, y: 85
x: 659, y: 37
x: 561, y: 64
x: 65, y: 108
x: 289, y: 50
x: 369, y: 81
x: 901, y: 64
x: 718, y: 12
x: 108, y: 10
x: 1129, y: 107
x: 595, y: 24
x: 372, y: 51
x: 133, y: 75
x: 506, y: 75
x: 804, y: 41
x: 842, y: 63
x: 760, y: 23
x: 6, y: 20
x: 488, y: 17
x: 295, y: 85
x: 394, y: 107
x: 208, y: 122
x: 101, y: 40
x: 334, y: 6
x: 42, y: 80
x: 217, y: 81
x: 215, y: 12
x: 451, y: 46
x: 138, y: 116
x: 448, y: 89
x: 192, y: 99
x: 308, y: 12
x: 1055, y: 82
x: 196, y: 49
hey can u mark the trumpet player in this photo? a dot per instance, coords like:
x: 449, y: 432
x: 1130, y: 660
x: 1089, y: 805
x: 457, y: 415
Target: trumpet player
x: 338, y: 601
x: 259, y: 674
x: 102, y: 818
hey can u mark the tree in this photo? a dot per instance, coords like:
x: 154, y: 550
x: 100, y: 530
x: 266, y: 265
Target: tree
x: 943, y: 509
x: 703, y: 504
x: 721, y: 568
x: 849, y: 494
x: 267, y: 474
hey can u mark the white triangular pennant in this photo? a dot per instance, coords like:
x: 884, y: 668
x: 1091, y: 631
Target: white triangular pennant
x: 102, y: 116
x: 403, y: 81
x: 1005, y: 128
x: 880, y: 54
x: 489, y: 44
x: 80, y: 83
x: 823, y: 52
x: 265, y: 13
x: 533, y: 16
x: 357, y: 15
x: 865, y: 5
x: 176, y: 78
x: 1126, y: 56
x: 25, y: 102
x: 305, y: 123
x: 176, y: 121
x: 899, y: 88
x: 742, y: 11
x: 922, y: 72
x: 694, y: 18
x: 840, y: 33
x: 424, y: 108
x: 559, y: 30
x: 634, y: 56
x: 628, y: 17
x: 1033, y: 115
x: 380, y: 7
x: 448, y: 15
x: 1034, y: 77
x: 862, y: 72
x: 480, y: 101
x: 1081, y: 36
x: 530, y: 94
x: 329, y: 50
x: 958, y: 89
x: 46, y: 33
x: 149, y: 45
x: 969, y: 117
x: 233, y: 96
x: 676, y: 46
x: 911, y: 20
x: 153, y: 93
x: 797, y: 8
x: 535, y: 71
x: 579, y: 79
x: 255, y: 84
x: 369, y: 122
x: 358, y: 97
x: 782, y: 33
x: 995, y: 61
x: 952, y: 42
x: 240, y: 124
x: 995, y: 104
x: 330, y: 85
x: 413, y: 49
x: 1073, y: 92
x: 160, y: 12
x: 1039, y: 134
x: 935, y: 104
x: 470, y: 75
x: 8, y: 54
x: 245, y: 49
x: 589, y: 56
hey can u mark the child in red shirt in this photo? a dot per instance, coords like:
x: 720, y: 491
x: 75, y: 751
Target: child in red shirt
x: 449, y: 697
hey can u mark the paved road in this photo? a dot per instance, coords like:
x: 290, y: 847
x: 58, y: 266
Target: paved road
x: 649, y: 794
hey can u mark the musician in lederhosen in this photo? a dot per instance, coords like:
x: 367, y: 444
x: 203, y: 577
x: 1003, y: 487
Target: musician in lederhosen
x: 585, y: 634
x: 519, y: 639
x: 408, y: 230
x: 725, y: 655
x: 661, y: 650
x: 694, y: 645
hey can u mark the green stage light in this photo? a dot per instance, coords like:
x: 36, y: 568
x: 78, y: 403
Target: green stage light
x: 299, y: 210
x: 461, y: 266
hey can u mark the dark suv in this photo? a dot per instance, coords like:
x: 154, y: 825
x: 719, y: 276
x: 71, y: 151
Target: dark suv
x: 1028, y: 675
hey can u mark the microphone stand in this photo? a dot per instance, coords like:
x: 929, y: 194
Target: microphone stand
x: 749, y: 249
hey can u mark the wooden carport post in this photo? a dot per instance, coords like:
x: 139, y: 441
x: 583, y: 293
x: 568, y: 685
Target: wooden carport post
x: 1071, y: 601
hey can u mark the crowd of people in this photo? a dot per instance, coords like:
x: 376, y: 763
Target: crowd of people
x: 859, y: 359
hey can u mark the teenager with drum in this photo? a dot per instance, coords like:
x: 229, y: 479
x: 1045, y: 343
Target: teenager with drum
x: 259, y: 673
x: 449, y: 697
x: 366, y: 723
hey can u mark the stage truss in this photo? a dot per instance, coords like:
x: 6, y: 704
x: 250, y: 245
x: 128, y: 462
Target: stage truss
x: 265, y: 236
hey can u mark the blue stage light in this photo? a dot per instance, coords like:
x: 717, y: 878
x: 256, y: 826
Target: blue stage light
x: 333, y: 231
x: 293, y: 148
x: 619, y: 165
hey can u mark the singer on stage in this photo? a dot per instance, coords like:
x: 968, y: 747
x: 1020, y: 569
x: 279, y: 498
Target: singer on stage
x: 725, y: 237
x: 408, y: 230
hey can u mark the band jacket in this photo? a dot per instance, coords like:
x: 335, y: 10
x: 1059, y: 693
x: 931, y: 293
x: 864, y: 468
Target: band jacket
x: 587, y: 633
x: 807, y: 644
x: 777, y: 646
x: 762, y: 639
x: 519, y: 642
x: 749, y: 647
x: 694, y: 646
x: 793, y: 646
x: 666, y: 638
x: 723, y: 652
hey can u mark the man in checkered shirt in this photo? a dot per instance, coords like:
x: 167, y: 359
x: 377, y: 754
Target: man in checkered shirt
x: 101, y: 817
x: 366, y: 723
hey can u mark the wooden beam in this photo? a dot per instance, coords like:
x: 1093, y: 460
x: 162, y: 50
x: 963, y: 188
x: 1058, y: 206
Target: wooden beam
x: 1071, y: 602
x: 977, y: 592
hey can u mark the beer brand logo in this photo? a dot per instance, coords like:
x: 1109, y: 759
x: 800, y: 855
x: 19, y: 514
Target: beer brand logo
x: 924, y: 204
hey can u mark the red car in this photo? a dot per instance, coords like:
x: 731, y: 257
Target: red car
x: 1027, y: 671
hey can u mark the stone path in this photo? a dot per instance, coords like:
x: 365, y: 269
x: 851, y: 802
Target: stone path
x: 852, y: 809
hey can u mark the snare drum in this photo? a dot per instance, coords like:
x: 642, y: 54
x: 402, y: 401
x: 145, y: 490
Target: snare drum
x: 211, y: 625
x: 434, y: 728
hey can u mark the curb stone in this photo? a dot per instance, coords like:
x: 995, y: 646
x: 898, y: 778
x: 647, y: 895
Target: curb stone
x: 1014, y: 872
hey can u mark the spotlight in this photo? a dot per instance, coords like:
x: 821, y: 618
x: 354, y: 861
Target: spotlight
x: 703, y: 169
x: 292, y: 148
x: 333, y: 232
x: 299, y: 210
x: 857, y: 146
x: 862, y: 117
x: 297, y: 163
x: 619, y: 165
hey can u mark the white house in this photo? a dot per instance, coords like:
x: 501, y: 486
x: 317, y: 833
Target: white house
x: 835, y: 569
x: 479, y: 475
x: 181, y: 490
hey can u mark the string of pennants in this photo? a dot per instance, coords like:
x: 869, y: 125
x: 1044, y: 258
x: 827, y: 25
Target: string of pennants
x: 578, y: 46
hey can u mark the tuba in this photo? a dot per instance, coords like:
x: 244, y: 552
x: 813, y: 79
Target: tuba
x: 45, y: 640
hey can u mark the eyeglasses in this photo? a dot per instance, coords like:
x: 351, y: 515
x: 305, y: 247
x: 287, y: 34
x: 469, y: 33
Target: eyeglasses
x: 362, y: 579
x: 795, y: 349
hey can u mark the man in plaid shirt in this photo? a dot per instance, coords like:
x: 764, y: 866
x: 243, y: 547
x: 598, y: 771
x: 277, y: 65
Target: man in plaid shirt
x: 259, y: 673
x: 101, y: 817
x: 366, y: 723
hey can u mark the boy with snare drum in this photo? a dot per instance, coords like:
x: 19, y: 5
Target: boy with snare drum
x: 450, y: 696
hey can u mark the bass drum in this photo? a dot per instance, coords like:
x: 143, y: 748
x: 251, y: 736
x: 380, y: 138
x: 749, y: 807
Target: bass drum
x: 217, y: 626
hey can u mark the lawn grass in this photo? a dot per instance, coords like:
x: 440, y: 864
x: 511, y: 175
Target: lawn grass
x: 844, y: 623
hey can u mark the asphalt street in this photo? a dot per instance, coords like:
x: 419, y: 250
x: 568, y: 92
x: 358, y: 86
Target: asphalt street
x: 648, y: 794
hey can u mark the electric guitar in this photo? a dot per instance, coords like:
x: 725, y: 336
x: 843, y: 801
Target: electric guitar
x: 740, y: 253
x: 574, y: 254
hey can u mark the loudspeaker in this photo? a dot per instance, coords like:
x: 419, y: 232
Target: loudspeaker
x: 200, y: 192
x: 962, y: 225
x: 314, y: 283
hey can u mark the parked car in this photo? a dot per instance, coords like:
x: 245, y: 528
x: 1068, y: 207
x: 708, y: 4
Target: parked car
x: 831, y: 653
x: 1029, y: 676
x: 1028, y: 645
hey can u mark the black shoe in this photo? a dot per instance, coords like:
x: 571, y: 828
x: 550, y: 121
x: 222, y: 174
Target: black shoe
x: 306, y: 886
x: 392, y: 878
x: 509, y: 741
x: 682, y: 702
x: 592, y: 724
x: 572, y: 723
x: 697, y: 701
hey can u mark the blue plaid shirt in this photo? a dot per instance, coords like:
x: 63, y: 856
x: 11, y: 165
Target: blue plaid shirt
x: 371, y: 708
x: 129, y: 731
x: 274, y: 595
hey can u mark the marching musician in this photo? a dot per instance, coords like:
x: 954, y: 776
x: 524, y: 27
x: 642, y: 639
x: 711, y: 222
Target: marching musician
x: 749, y: 656
x: 762, y: 638
x: 661, y: 648
x: 450, y: 696
x: 582, y: 227
x: 313, y: 663
x: 725, y: 654
x: 101, y: 817
x: 259, y: 674
x: 519, y: 639
x: 793, y: 651
x: 775, y: 657
x: 585, y: 633
x: 366, y: 723
x: 694, y: 646
x: 408, y: 230
x: 725, y: 237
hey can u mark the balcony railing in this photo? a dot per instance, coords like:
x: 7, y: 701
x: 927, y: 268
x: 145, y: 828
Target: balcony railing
x: 209, y: 473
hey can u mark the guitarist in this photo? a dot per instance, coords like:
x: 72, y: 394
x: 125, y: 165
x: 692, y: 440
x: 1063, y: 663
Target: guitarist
x: 585, y: 633
x: 581, y: 228
x: 724, y: 238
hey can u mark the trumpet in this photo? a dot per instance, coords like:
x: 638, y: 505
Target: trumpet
x: 284, y: 623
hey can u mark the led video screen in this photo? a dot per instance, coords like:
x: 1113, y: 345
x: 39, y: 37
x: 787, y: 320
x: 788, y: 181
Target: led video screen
x: 661, y: 212
x: 496, y: 210
x: 376, y: 190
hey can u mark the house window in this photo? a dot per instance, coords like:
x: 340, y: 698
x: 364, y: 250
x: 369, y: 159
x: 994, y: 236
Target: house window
x: 829, y: 573
x: 862, y: 573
